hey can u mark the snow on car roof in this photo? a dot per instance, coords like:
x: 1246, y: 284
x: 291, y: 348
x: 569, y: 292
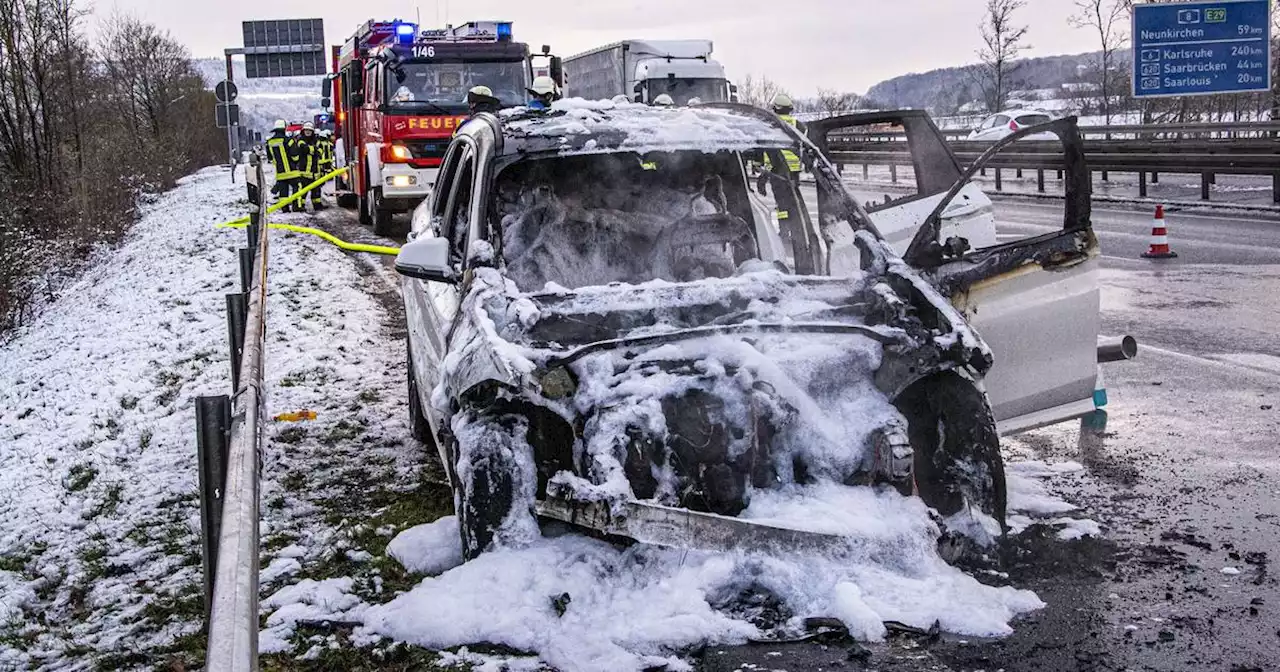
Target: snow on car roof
x: 577, y: 126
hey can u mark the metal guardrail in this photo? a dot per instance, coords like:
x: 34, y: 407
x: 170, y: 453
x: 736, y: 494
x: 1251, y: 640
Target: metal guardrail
x: 1223, y: 132
x: 229, y: 447
x: 1205, y: 149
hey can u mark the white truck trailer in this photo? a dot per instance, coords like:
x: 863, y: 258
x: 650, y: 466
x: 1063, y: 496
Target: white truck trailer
x: 645, y: 69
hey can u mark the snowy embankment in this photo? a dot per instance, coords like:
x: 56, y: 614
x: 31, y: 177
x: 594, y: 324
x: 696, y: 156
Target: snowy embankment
x: 99, y: 531
x: 99, y: 517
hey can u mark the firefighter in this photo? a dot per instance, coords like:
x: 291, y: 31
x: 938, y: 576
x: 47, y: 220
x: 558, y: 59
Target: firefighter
x: 481, y: 99
x: 325, y: 143
x: 283, y: 156
x: 784, y: 108
x: 664, y: 100
x: 309, y: 154
x: 543, y: 92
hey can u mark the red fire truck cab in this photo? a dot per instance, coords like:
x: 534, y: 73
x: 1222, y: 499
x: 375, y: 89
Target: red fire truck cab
x: 399, y: 95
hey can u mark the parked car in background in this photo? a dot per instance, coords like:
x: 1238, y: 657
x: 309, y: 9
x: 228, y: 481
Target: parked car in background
x: 1003, y: 124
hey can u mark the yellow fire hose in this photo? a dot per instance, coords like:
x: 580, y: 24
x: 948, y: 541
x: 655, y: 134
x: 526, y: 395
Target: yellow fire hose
x: 242, y: 222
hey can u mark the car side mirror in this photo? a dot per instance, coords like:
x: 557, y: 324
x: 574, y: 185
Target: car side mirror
x: 557, y: 70
x: 325, y: 103
x: 426, y: 259
x: 357, y: 100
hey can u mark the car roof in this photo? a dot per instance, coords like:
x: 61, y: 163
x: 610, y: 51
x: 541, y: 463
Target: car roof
x: 577, y: 126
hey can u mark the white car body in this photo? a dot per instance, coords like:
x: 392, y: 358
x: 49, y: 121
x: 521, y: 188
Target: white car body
x: 1003, y: 124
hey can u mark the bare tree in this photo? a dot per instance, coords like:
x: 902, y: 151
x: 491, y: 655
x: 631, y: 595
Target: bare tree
x: 83, y: 136
x: 1107, y: 19
x: 1003, y: 41
x: 758, y: 90
x: 830, y: 102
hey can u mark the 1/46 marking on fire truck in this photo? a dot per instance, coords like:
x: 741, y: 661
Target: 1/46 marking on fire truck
x: 425, y: 51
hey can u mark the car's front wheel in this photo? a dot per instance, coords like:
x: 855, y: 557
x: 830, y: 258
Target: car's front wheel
x: 495, y: 484
x: 956, y: 447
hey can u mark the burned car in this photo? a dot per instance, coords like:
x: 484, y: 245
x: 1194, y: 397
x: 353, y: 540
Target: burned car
x: 609, y: 328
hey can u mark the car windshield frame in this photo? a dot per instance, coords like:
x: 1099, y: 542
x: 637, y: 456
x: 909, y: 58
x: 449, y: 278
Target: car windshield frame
x: 471, y: 72
x: 497, y: 206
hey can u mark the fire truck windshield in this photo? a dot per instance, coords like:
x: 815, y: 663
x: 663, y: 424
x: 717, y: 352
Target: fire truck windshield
x: 441, y: 84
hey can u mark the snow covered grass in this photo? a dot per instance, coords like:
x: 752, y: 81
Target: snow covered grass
x: 99, y: 532
x: 99, y: 517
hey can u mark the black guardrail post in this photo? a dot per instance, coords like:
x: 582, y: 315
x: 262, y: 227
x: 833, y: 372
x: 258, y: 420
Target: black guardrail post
x: 255, y: 224
x: 1142, y: 184
x: 237, y: 313
x: 1205, y: 181
x: 1275, y: 188
x: 246, y: 269
x: 213, y: 421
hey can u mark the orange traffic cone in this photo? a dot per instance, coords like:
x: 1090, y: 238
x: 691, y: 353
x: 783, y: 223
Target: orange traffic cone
x: 1159, y: 239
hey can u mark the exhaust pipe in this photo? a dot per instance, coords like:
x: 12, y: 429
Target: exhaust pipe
x: 1117, y: 349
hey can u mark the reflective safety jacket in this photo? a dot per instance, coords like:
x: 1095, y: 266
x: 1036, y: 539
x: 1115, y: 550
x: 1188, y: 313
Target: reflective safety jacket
x: 324, y: 148
x: 307, y: 151
x: 281, y: 152
x: 793, y: 161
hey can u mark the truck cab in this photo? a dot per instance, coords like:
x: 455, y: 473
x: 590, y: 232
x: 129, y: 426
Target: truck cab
x: 683, y: 70
x: 401, y: 93
x: 645, y: 69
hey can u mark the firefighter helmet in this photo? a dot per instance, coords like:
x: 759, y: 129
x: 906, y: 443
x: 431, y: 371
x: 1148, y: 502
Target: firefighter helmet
x: 543, y: 86
x: 782, y: 102
x: 308, y: 126
x: 664, y: 100
x: 481, y: 90
x: 281, y: 125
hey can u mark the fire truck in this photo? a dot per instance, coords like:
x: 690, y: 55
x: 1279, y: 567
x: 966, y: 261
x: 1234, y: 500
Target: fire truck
x: 399, y: 93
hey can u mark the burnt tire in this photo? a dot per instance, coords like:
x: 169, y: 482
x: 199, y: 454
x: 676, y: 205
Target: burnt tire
x: 419, y: 427
x: 957, y: 458
x: 489, y: 481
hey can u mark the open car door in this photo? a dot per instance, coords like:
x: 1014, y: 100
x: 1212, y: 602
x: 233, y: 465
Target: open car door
x: 911, y: 143
x: 1033, y: 295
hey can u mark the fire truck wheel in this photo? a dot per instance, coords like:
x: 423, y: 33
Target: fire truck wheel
x: 348, y: 201
x: 364, y: 206
x: 382, y: 224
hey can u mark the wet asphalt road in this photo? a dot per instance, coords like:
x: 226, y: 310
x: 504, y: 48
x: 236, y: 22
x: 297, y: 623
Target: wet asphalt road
x: 1184, y: 477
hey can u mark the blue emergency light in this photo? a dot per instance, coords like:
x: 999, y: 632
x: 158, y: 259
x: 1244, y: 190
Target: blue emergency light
x: 405, y: 32
x: 504, y: 31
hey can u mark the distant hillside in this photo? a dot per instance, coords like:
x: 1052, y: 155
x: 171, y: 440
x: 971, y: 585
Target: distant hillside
x: 944, y: 91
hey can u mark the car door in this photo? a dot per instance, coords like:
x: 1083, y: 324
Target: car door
x: 1033, y: 295
x: 432, y: 307
x: 933, y: 167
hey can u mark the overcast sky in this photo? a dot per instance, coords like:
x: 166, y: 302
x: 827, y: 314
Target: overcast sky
x: 803, y: 44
